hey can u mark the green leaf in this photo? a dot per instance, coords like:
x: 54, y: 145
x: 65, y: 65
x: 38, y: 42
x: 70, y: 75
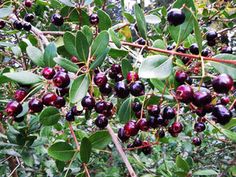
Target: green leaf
x: 205, y: 172
x: 69, y: 43
x: 49, y: 116
x: 82, y: 46
x: 104, y: 20
x: 100, y: 44
x: 159, y: 44
x: 100, y: 139
x: 79, y: 88
x: 118, y: 53
x: 49, y: 54
x: 4, y: 12
x: 181, y: 163
x: 159, y: 85
x: 129, y: 17
x: 99, y: 60
x: 114, y: 38
x: 67, y: 64
x: 35, y: 55
x: 198, y: 34
x: 225, y: 68
x: 231, y: 124
x: 88, y: 33
x: 152, y: 19
x: 156, y: 66
x: 126, y: 67
x: 229, y: 134
x: 61, y: 151
x: 124, y: 112
x: 141, y: 23
x: 85, y: 150
x: 23, y: 77
x: 69, y: 3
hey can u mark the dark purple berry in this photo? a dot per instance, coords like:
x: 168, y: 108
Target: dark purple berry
x: 143, y: 124
x: 2, y: 24
x: 17, y: 25
x: 100, y: 106
x: 168, y: 113
x: 136, y: 106
x: 29, y: 17
x: 153, y: 110
x: 49, y: 98
x: 211, y: 35
x: 222, y: 83
x: 184, y: 93
x: 196, y: 141
x: 131, y: 128
x: 201, y: 98
x: 61, y: 79
x: 194, y: 49
x: 20, y: 94
x: 48, y: 73
x: 13, y: 108
x: 70, y: 116
x: 100, y: 79
x: 27, y: 26
x: 199, y: 127
x: 106, y: 89
x: 177, y: 127
x: 222, y: 114
x: 121, y: 134
x: 57, y: 19
x: 35, y: 105
x: 181, y: 76
x: 101, y: 121
x: 137, y: 88
x: 59, y: 102
x: 94, y: 19
x: 88, y: 102
x: 175, y: 17
x: 121, y: 90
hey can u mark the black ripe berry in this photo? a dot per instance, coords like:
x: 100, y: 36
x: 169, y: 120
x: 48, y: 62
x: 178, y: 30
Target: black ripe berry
x: 181, y: 76
x: 184, y: 93
x: 88, y: 102
x: 131, y: 128
x: 211, y: 35
x: 57, y: 19
x: 35, y: 105
x: 59, y: 102
x: 13, y: 108
x: 106, y: 89
x: 49, y: 98
x: 196, y: 141
x: 222, y: 114
x: 199, y: 127
x: 222, y: 83
x: 153, y: 110
x: 168, y: 113
x: 27, y: 26
x: 201, y: 98
x: 2, y: 24
x: 94, y: 19
x: 48, y: 73
x: 141, y: 41
x: 100, y: 79
x: 17, y: 25
x: 194, y: 49
x: 101, y: 121
x: 19, y: 119
x: 136, y: 106
x: 227, y: 49
x: 100, y: 106
x: 70, y: 116
x: 177, y: 127
x: 121, y: 90
x: 143, y: 124
x: 29, y: 17
x: 176, y: 17
x: 121, y: 134
x: 61, y: 79
x: 137, y: 88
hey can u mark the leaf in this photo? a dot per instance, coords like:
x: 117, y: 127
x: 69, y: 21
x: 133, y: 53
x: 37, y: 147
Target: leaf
x: 85, y: 150
x: 129, y: 17
x: 231, y: 124
x: 100, y: 44
x: 79, y: 88
x: 141, y: 23
x: 159, y: 85
x: 23, y: 77
x: 126, y: 67
x: 124, y: 112
x: 16, y: 51
x: 114, y: 38
x: 156, y: 66
x: 100, y: 139
x: 4, y: 12
x: 49, y: 116
x: 82, y: 46
x: 118, y: 53
x: 69, y: 43
x: 229, y: 134
x: 69, y: 3
x: 35, y: 55
x: 104, y: 20
x: 205, y: 172
x: 225, y: 68
x: 88, y: 33
x: 67, y: 64
x: 49, y: 54
x: 159, y: 44
x: 61, y: 151
x: 181, y: 163
x: 99, y: 60
x: 152, y: 19
x: 87, y: 2
x: 198, y: 34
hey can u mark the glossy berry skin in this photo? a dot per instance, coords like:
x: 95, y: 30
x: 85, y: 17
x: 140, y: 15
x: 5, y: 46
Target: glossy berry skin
x: 143, y: 124
x: 106, y: 89
x: 136, y: 106
x: 2, y: 24
x: 114, y: 71
x: 62, y: 91
x: 59, y: 102
x: 27, y: 26
x: 161, y: 134
x: 222, y: 114
x: 121, y: 90
x: 119, y: 77
x: 132, y: 76
x: 100, y: 106
x: 141, y: 41
x: 94, y: 19
x: 20, y: 95
x: 35, y: 105
x: 70, y: 116
x: 101, y: 121
x: 196, y: 141
x: 17, y: 25
x: 131, y: 128
x: 168, y: 113
x: 201, y: 98
x: 170, y: 47
x: 175, y: 17
x: 224, y: 100
x: 199, y: 127
x: 181, y: 76
x: 184, y: 93
x: 211, y: 35
x: 181, y: 49
x: 206, y: 52
x: 88, y: 102
x: 48, y: 73
x: 13, y: 108
x: 222, y: 83
x: 57, y: 19
x: 147, y: 149
x: 170, y: 130
x: 155, y: 121
x: 153, y: 110
x: 74, y: 59
x: 137, y: 88
x: 194, y: 49
x: 228, y: 50
x: 28, y: 3
x: 61, y: 79
x: 100, y: 79
x: 137, y: 142
x: 121, y: 134
x: 19, y: 119
x: 29, y: 17
x: 75, y: 111
x: 49, y: 98
x: 177, y: 127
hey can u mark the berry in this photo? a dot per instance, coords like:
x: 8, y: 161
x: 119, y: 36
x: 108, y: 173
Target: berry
x: 196, y: 141
x: 75, y: 111
x: 29, y: 17
x: 222, y: 114
x: 17, y: 25
x: 70, y: 116
x: 181, y: 49
x: 94, y: 19
x: 153, y: 110
x: 147, y: 149
x: 141, y: 41
x: 132, y: 76
x: 211, y: 43
x: 201, y: 98
x: 136, y: 106
x: 206, y: 52
x: 176, y: 17
x: 121, y: 90
x: 227, y: 49
x: 19, y: 119
x: 100, y: 106
x: 114, y: 71
x: 194, y: 49
x: 2, y: 24
x: 137, y: 142
x: 155, y: 121
x: 224, y: 100
x: 49, y: 98
x: 170, y: 130
x: 168, y: 113
x: 199, y: 127
x: 62, y: 91
x: 101, y: 121
x: 20, y: 95
x: 143, y: 124
x: 161, y: 134
x: 61, y: 79
x: 35, y: 105
x: 57, y: 19
x: 100, y: 79
x: 131, y: 128
x: 222, y: 83
x: 170, y: 47
x: 48, y: 73
x: 200, y: 112
x: 122, y: 135
x: 181, y: 76
x: 139, y: 114
x: 211, y: 35
x: 59, y: 102
x: 13, y: 108
x: 177, y: 127
x: 137, y: 88
x: 186, y: 60
x: 28, y: 3
x: 27, y: 26
x: 88, y: 102
x: 119, y: 77
x: 106, y: 89
x: 184, y: 93
x: 109, y: 105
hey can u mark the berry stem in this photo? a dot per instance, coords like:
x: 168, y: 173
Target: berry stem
x: 143, y: 146
x: 86, y: 170
x: 74, y: 137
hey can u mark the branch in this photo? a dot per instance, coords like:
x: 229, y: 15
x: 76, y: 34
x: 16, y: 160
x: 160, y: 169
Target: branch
x: 121, y: 152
